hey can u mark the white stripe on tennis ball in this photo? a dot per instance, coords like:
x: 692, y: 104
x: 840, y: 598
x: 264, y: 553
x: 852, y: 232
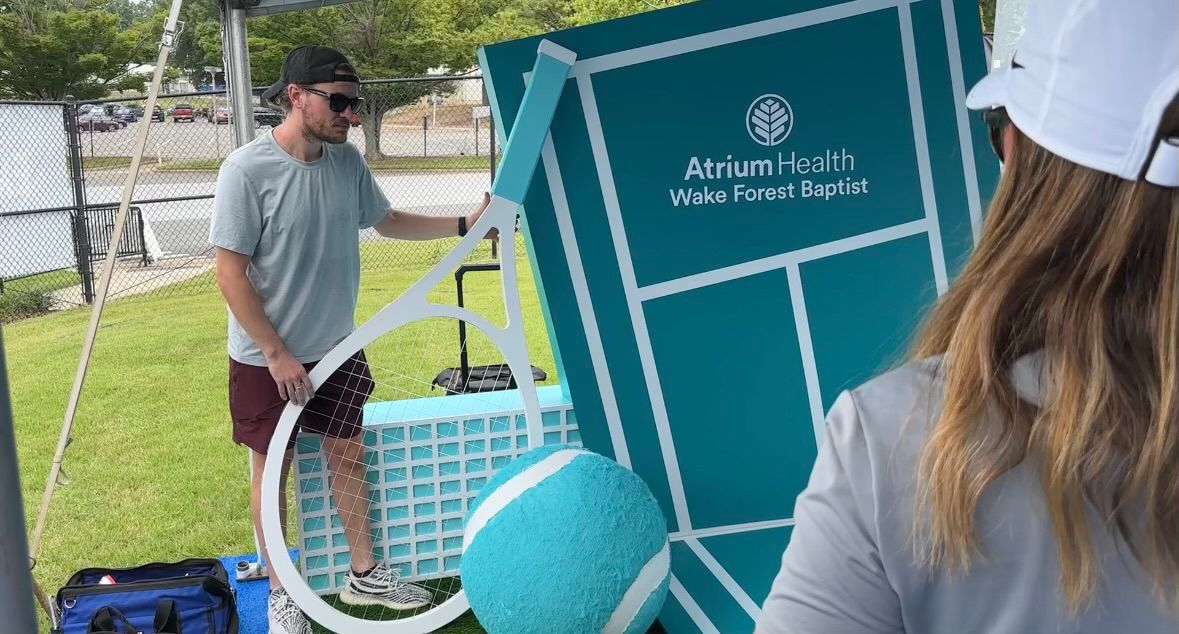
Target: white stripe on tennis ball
x: 514, y: 488
x: 653, y: 574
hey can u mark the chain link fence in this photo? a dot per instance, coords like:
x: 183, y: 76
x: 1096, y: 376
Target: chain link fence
x: 429, y: 141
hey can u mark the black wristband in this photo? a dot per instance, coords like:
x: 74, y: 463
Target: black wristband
x: 462, y: 226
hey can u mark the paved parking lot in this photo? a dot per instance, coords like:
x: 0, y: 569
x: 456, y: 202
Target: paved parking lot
x: 182, y: 227
x: 203, y: 139
x: 178, y: 229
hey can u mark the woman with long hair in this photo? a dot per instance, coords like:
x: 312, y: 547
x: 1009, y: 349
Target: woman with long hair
x: 1020, y: 474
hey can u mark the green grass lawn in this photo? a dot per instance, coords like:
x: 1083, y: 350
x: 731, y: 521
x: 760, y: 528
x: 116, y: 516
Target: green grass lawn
x: 430, y: 163
x: 153, y: 474
x: 104, y: 162
x: 191, y: 165
x: 388, y: 163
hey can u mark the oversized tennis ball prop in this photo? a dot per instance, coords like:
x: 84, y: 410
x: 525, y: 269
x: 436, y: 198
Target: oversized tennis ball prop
x: 564, y: 540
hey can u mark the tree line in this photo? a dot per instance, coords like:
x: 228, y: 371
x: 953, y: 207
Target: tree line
x: 51, y: 48
x: 85, y: 48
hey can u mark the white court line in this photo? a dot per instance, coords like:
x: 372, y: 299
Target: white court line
x: 585, y: 304
x: 629, y: 286
x: 810, y: 367
x: 954, y: 52
x: 670, y: 48
x: 917, y: 111
x: 731, y: 529
x: 691, y: 607
x: 743, y: 599
x: 782, y: 260
x: 582, y: 69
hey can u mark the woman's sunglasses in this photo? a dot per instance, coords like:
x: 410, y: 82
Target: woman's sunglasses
x: 996, y: 120
x: 337, y: 102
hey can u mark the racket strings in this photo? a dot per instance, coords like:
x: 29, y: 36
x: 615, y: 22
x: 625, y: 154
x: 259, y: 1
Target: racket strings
x: 397, y: 386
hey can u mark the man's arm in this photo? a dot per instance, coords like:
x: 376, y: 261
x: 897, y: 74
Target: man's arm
x: 289, y: 375
x: 410, y: 226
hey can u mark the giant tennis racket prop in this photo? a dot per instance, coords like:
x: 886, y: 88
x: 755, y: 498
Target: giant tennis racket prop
x: 413, y: 310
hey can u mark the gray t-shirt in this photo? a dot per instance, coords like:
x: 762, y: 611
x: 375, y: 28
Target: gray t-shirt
x: 300, y: 224
x: 849, y: 566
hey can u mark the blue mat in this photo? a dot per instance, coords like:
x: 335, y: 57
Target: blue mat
x: 251, y: 596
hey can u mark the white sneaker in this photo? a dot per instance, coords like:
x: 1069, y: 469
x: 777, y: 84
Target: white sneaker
x: 383, y: 587
x: 285, y: 616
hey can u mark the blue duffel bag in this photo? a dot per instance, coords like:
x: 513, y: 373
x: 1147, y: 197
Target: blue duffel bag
x: 187, y: 597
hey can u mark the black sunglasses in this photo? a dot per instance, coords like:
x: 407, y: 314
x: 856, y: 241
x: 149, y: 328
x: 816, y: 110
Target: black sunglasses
x: 996, y: 119
x: 337, y: 102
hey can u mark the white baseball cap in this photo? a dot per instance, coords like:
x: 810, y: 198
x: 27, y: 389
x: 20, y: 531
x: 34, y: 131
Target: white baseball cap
x: 1090, y: 81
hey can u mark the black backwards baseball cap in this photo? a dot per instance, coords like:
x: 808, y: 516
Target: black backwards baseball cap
x: 311, y: 64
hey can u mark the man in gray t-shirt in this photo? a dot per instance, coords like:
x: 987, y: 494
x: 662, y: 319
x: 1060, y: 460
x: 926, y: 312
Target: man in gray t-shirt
x: 287, y: 215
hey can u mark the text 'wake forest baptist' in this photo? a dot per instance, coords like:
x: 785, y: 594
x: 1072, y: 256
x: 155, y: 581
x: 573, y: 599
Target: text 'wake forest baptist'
x: 825, y: 179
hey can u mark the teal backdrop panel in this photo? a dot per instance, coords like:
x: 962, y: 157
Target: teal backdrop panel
x: 744, y: 208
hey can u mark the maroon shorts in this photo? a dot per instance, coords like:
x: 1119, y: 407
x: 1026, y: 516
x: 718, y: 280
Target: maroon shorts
x: 336, y: 410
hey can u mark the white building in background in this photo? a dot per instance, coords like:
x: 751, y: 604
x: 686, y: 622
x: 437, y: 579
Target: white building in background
x: 180, y: 84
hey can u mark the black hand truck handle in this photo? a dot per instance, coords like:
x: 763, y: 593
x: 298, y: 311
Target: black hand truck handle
x: 464, y: 363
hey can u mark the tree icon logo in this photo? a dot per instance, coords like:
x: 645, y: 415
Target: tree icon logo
x: 769, y: 120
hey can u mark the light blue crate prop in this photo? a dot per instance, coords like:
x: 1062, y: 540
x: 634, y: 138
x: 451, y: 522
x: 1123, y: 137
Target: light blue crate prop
x: 427, y: 459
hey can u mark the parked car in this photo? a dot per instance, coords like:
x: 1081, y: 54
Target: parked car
x: 263, y: 117
x: 182, y: 112
x: 157, y: 114
x: 90, y: 108
x: 126, y: 114
x: 220, y: 116
x: 266, y: 117
x: 94, y: 122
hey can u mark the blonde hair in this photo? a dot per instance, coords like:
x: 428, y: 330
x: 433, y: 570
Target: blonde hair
x: 1082, y: 267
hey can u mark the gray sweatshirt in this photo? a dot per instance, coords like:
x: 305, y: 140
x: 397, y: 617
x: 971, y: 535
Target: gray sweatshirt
x: 849, y: 567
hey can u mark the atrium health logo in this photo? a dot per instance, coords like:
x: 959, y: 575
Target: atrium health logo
x: 769, y: 120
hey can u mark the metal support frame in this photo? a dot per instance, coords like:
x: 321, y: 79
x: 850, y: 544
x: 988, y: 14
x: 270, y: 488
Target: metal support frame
x: 239, y: 93
x: 237, y: 66
x: 464, y: 360
x: 16, y: 581
x: 239, y: 90
x: 82, y: 244
x: 255, y: 8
